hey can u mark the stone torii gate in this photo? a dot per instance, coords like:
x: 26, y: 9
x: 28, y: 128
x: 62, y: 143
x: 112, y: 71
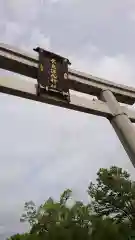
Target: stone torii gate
x: 53, y: 82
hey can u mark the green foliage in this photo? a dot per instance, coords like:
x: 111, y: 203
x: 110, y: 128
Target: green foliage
x: 106, y: 228
x: 30, y: 213
x: 114, y: 195
x: 109, y: 216
x: 58, y: 221
x: 20, y: 237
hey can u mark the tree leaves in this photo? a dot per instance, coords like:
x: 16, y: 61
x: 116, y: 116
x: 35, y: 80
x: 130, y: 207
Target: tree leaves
x: 110, y: 215
x: 114, y: 194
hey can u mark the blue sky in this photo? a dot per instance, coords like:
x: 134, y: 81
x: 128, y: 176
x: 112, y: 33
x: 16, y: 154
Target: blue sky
x: 45, y: 149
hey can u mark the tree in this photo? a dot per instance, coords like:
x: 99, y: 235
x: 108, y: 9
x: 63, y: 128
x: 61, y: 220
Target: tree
x: 108, y: 229
x: 108, y: 216
x: 19, y: 237
x: 30, y: 213
x: 56, y: 220
x: 113, y: 195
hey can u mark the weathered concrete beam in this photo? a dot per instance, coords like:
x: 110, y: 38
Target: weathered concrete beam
x: 23, y: 63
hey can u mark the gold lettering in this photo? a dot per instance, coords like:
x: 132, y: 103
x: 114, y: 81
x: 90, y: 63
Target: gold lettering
x: 53, y: 61
x: 53, y: 75
x: 53, y: 70
x: 41, y: 67
x: 53, y: 65
x: 53, y: 86
x: 53, y: 80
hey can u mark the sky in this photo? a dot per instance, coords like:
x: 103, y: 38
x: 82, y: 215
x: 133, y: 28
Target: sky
x: 45, y: 149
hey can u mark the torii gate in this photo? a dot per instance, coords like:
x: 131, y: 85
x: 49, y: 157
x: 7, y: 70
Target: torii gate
x: 53, y: 85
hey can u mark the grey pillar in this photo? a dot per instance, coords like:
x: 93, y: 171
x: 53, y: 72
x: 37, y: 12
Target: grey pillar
x: 121, y: 124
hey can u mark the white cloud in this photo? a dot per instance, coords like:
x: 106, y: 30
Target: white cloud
x: 117, y: 68
x: 37, y: 39
x: 14, y: 33
x: 11, y: 32
x: 24, y: 10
